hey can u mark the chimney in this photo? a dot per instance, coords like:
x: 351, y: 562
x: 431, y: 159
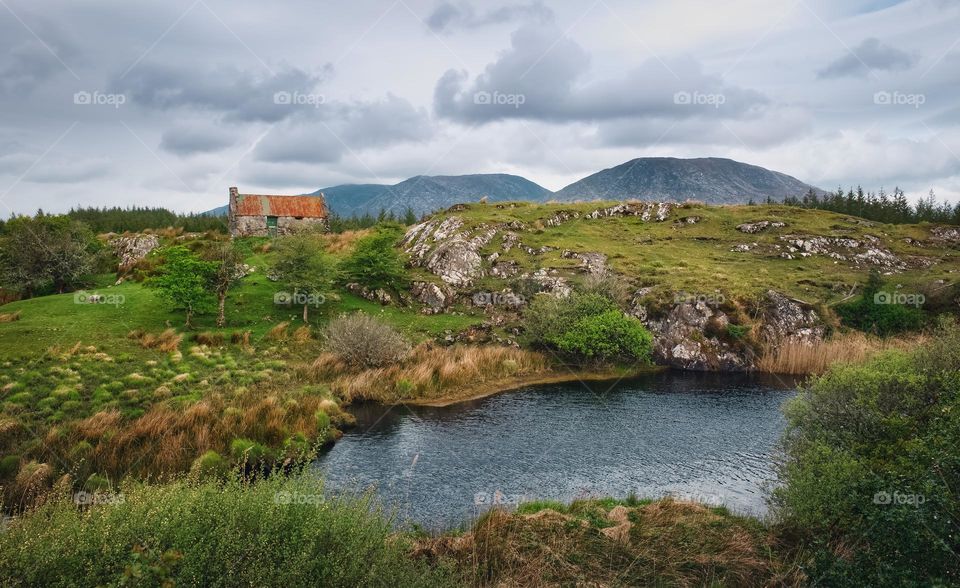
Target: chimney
x: 233, y: 198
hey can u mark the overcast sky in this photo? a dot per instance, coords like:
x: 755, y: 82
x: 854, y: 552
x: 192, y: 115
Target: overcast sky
x: 107, y: 102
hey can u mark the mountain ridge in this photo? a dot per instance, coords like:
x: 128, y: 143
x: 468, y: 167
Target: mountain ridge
x: 713, y: 180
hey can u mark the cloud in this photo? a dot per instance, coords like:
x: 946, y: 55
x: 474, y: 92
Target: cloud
x: 869, y: 55
x: 448, y: 16
x: 543, y: 76
x: 188, y: 140
x: 240, y: 95
x: 344, y: 127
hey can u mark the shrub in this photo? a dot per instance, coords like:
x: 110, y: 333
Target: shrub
x: 362, y: 341
x: 873, y: 313
x: 872, y: 468
x: 611, y: 336
x: 375, y: 263
x: 276, y: 532
x: 587, y: 327
x: 210, y: 465
x: 247, y: 450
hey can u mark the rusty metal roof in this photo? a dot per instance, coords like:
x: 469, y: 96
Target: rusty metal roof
x: 267, y: 205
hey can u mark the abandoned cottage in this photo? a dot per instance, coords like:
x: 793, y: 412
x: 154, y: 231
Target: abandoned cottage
x: 260, y: 215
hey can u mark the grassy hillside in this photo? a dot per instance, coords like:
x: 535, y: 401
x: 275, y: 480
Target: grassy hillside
x: 674, y: 255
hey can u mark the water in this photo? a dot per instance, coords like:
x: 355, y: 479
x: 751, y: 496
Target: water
x: 709, y: 437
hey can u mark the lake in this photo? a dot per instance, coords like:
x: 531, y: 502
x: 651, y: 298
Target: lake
x: 709, y: 437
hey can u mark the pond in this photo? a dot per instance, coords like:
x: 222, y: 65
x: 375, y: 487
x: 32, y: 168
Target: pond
x: 709, y: 437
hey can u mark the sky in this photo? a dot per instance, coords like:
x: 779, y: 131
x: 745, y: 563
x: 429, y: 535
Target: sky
x: 110, y: 102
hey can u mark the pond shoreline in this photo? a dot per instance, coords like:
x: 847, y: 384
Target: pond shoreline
x: 500, y: 386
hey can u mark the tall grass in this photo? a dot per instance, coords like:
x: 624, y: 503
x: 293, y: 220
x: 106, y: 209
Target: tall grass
x: 275, y: 532
x: 851, y: 347
x: 430, y: 371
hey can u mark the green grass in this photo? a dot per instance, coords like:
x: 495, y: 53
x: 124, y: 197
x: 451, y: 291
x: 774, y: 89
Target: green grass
x: 277, y: 532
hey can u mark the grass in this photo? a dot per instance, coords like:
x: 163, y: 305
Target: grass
x: 430, y: 371
x: 277, y: 532
x: 848, y: 347
x: 609, y: 543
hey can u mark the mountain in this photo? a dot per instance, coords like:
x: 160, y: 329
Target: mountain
x: 429, y: 193
x: 712, y: 180
x: 424, y: 194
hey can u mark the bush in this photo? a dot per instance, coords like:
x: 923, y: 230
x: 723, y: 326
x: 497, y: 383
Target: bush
x: 247, y: 450
x: 873, y: 313
x: 210, y: 465
x: 587, y: 327
x: 611, y: 336
x: 276, y: 532
x: 375, y: 263
x: 362, y: 341
x: 872, y: 468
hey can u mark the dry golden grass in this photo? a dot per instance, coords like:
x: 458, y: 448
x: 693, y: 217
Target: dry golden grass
x: 241, y: 338
x: 850, y: 347
x: 168, y: 340
x: 663, y: 543
x: 342, y: 242
x: 430, y: 371
x: 279, y: 332
x: 168, y: 438
x: 9, y: 317
x: 302, y: 334
x: 209, y: 338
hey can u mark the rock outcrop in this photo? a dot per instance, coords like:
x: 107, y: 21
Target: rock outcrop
x: 687, y: 337
x: 131, y: 249
x: 757, y: 227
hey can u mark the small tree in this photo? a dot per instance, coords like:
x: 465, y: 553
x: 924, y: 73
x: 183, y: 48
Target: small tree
x: 45, y: 253
x: 184, y: 279
x: 303, y: 268
x: 375, y: 262
x: 228, y: 260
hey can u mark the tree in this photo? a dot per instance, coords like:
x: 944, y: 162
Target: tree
x: 45, y: 253
x: 228, y: 260
x: 184, y: 279
x: 304, y: 269
x: 375, y: 262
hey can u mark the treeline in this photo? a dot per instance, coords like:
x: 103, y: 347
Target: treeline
x: 880, y: 206
x: 339, y: 224
x: 136, y: 219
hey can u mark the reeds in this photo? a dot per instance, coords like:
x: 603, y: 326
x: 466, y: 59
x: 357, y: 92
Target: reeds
x: 168, y: 340
x: 851, y: 347
x: 429, y: 371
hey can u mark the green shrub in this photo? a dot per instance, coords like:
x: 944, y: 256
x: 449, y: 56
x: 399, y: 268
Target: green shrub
x: 872, y: 465
x: 276, y: 532
x: 9, y: 466
x: 247, y: 450
x: 323, y: 421
x: 210, y: 465
x: 375, y: 262
x: 611, y: 336
x: 875, y: 311
x: 587, y: 327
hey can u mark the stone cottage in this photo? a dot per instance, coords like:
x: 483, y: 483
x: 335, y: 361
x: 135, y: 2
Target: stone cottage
x: 258, y: 215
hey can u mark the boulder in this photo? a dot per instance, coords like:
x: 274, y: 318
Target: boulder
x: 785, y: 319
x: 434, y: 298
x: 759, y: 226
x: 130, y: 249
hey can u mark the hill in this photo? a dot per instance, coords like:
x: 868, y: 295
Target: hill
x: 712, y: 180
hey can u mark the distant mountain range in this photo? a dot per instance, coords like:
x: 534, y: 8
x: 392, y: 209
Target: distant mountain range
x: 712, y: 180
